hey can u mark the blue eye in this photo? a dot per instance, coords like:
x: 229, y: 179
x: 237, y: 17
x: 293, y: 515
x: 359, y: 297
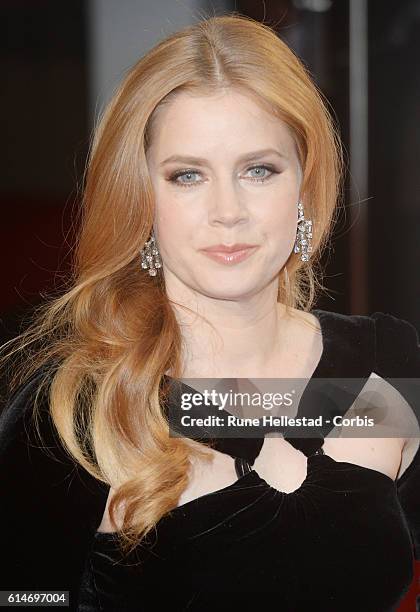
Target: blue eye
x: 188, y: 173
x: 258, y: 177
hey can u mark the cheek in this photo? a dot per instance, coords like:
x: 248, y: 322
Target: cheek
x: 173, y: 229
x: 280, y: 216
x: 280, y: 227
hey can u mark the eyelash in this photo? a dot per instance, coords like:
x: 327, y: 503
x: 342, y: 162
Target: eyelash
x: 173, y: 178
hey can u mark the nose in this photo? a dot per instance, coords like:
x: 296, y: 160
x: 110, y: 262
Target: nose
x: 226, y: 206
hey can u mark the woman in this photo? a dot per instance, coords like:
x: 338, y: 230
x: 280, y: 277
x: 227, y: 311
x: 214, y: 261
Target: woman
x: 211, y: 189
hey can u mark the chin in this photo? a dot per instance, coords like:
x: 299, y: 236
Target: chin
x: 227, y: 288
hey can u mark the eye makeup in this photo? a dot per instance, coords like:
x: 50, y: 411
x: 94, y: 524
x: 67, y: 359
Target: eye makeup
x: 173, y: 178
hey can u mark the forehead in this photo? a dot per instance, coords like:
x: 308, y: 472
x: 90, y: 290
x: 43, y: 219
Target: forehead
x: 228, y: 119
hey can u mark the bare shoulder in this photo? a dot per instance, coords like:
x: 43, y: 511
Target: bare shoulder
x: 391, y: 440
x: 393, y: 416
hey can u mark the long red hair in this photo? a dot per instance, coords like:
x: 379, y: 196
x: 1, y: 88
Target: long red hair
x: 109, y: 337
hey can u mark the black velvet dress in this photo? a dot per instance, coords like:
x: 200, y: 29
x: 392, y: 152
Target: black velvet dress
x: 345, y: 540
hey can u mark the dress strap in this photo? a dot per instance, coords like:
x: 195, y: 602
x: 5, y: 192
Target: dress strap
x: 242, y: 466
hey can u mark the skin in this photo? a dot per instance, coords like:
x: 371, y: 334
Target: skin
x: 222, y: 202
x: 250, y: 335
x: 224, y: 205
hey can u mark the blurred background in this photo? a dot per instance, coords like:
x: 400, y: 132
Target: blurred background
x: 62, y: 60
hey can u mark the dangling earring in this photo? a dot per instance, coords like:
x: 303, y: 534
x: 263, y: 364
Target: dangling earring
x: 303, y: 235
x: 150, y: 257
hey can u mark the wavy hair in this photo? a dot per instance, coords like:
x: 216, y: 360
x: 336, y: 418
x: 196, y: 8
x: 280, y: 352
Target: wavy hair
x: 110, y: 334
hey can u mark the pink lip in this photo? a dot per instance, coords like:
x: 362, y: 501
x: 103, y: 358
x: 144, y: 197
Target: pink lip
x: 230, y: 258
x: 224, y: 248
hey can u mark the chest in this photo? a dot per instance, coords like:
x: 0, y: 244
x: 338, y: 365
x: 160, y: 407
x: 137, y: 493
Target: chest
x: 285, y: 468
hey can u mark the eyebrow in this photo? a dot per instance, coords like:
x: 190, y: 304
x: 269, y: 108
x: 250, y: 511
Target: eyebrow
x: 201, y: 161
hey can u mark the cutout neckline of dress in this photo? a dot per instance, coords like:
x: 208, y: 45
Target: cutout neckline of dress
x: 253, y: 474
x: 253, y: 479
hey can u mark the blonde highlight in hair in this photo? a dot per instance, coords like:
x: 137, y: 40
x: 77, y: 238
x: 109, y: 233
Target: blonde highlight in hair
x: 108, y: 339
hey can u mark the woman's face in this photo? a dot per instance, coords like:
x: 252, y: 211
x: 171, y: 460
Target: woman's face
x: 214, y: 184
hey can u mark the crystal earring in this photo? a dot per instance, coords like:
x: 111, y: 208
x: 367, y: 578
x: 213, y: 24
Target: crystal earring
x: 150, y: 257
x: 303, y: 235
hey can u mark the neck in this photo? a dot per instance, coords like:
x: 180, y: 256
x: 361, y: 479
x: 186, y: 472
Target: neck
x: 232, y: 338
